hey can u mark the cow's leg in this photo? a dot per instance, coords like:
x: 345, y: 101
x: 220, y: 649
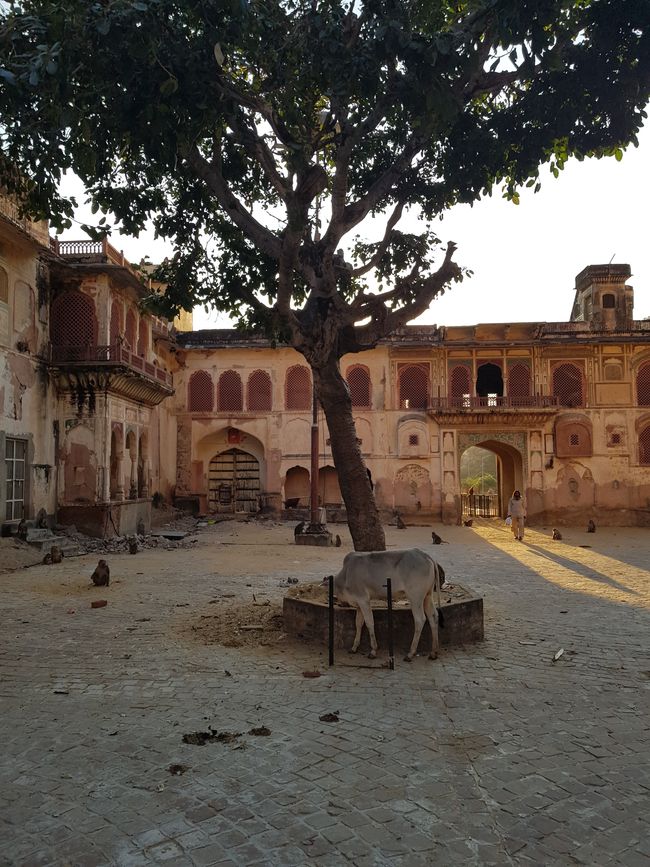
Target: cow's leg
x: 366, y: 609
x: 432, y: 617
x: 359, y: 626
x: 418, y: 619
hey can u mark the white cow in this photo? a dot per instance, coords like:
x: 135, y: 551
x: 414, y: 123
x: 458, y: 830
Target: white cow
x: 412, y: 571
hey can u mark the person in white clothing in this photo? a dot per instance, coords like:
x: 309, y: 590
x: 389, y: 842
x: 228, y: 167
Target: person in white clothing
x: 517, y: 512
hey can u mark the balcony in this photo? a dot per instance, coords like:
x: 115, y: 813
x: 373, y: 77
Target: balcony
x: 534, y: 409
x: 124, y: 373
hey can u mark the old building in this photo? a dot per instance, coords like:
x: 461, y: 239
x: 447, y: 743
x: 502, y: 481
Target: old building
x: 104, y: 405
x: 565, y: 407
x: 83, y: 374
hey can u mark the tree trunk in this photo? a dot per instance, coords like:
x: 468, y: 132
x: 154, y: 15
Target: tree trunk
x: 363, y: 517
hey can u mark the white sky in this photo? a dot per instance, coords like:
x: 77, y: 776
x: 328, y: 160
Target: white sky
x: 524, y: 257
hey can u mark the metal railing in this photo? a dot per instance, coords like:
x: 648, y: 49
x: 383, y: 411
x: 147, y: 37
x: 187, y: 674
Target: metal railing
x: 533, y: 401
x: 480, y: 505
x: 109, y: 355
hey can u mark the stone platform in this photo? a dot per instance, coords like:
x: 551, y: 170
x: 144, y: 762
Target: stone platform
x: 306, y: 614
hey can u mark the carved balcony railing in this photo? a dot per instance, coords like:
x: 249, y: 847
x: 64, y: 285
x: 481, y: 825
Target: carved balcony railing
x: 108, y: 356
x: 493, y: 402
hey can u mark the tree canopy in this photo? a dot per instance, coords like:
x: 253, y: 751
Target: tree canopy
x: 259, y: 135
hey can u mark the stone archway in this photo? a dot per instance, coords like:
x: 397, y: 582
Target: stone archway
x: 510, y: 450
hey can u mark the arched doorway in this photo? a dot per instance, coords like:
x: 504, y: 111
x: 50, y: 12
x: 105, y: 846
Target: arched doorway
x: 234, y: 482
x: 509, y: 474
x: 329, y: 492
x: 296, y: 488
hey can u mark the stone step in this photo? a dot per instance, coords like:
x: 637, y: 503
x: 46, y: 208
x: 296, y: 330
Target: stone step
x: 66, y: 545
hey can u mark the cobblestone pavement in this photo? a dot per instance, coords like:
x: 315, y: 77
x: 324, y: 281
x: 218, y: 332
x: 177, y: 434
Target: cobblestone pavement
x: 493, y: 754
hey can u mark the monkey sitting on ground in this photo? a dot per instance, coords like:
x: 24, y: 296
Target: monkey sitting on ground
x: 557, y: 536
x: 468, y: 523
x: 55, y: 556
x: 591, y: 527
x: 101, y: 577
x: 298, y: 529
x: 133, y: 545
x: 337, y: 541
x: 400, y: 524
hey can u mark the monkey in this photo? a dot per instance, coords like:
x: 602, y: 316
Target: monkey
x: 101, y: 577
x: 467, y: 523
x: 436, y: 539
x: 298, y: 529
x: 591, y: 527
x: 133, y: 545
x: 21, y: 532
x: 337, y: 541
x: 557, y: 535
x: 398, y: 520
x: 55, y: 556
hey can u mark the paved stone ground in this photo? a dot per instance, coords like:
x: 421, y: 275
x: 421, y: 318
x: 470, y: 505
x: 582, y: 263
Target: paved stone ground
x: 494, y: 754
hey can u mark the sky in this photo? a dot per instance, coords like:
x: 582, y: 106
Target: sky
x: 524, y: 257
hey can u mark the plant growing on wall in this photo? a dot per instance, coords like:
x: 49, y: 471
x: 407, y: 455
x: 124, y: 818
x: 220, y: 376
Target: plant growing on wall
x: 260, y: 135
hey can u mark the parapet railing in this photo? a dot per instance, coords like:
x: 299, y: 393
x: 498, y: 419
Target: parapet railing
x: 534, y: 401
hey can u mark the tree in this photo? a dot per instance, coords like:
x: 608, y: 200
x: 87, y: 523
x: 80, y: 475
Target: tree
x: 238, y: 125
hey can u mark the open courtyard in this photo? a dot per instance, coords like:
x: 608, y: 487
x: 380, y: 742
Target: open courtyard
x: 176, y: 726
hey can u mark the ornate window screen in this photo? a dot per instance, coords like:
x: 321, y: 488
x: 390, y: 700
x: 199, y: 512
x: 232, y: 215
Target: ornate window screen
x: 644, y: 446
x: 4, y: 286
x: 230, y: 397
x: 297, y: 388
x: 358, y: 379
x: 116, y: 322
x: 643, y: 385
x: 519, y: 381
x: 459, y: 384
x: 413, y: 384
x: 259, y: 391
x: 200, y: 393
x: 73, y: 321
x: 567, y: 385
x: 131, y: 328
x: 143, y: 337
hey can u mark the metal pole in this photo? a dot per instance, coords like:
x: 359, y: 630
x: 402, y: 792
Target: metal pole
x: 389, y: 599
x: 331, y: 618
x: 315, y: 516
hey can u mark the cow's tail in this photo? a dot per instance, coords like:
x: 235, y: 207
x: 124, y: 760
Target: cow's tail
x: 436, y: 572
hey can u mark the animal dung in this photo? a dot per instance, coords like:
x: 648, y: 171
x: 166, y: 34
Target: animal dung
x: 99, y: 603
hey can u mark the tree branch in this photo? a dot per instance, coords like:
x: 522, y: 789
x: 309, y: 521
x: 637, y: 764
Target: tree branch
x: 241, y: 217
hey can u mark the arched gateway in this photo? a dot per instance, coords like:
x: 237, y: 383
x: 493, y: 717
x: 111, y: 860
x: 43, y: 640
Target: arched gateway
x: 510, y: 450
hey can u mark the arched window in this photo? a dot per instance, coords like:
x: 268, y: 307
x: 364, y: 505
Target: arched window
x: 489, y: 380
x: 259, y: 391
x: 117, y: 312
x: 609, y: 302
x: 644, y: 446
x: 358, y: 379
x: 297, y: 388
x: 200, y: 394
x: 567, y: 385
x: 518, y: 382
x: 4, y: 287
x: 143, y: 337
x: 459, y: 385
x: 413, y: 385
x: 131, y: 329
x: 73, y: 322
x: 643, y: 385
x: 230, y: 396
